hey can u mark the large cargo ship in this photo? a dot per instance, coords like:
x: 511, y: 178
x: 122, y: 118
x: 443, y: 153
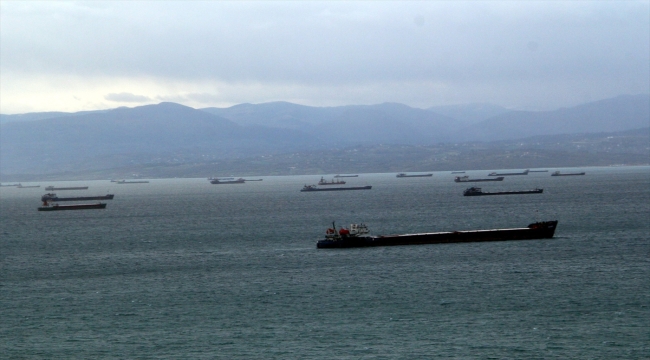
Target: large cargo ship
x: 132, y: 182
x: 557, y: 173
x: 467, y: 179
x: 222, y: 181
x: 525, y: 172
x: 55, y: 207
x: 52, y: 188
x: 355, y: 236
x: 403, y: 175
x: 54, y: 198
x: 342, y: 176
x: 333, y: 182
x: 308, y: 188
x: 475, y: 191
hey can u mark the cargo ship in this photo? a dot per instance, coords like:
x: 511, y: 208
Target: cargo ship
x: 343, y: 176
x: 222, y: 181
x: 308, y: 188
x: 475, y: 191
x: 467, y: 179
x: 55, y: 207
x: 52, y: 188
x: 132, y: 182
x: 333, y: 182
x: 21, y: 186
x: 525, y: 172
x: 557, y: 173
x: 403, y: 175
x: 53, y: 197
x: 356, y: 236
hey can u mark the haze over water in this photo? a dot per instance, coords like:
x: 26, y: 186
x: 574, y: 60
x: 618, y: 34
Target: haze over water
x: 180, y: 268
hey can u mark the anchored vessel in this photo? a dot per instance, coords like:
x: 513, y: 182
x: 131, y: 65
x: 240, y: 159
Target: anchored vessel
x: 467, y: 179
x: 356, y: 236
x: 222, y: 181
x: 52, y: 188
x: 132, y: 182
x: 557, y: 173
x: 53, y: 197
x: 333, y: 182
x: 308, y: 188
x: 55, y: 207
x: 403, y: 175
x: 21, y: 186
x: 341, y: 176
x: 475, y: 191
x: 525, y: 172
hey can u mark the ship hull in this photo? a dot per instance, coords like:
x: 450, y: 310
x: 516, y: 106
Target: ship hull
x: 500, y: 178
x: 543, y: 230
x: 569, y: 174
x: 72, y: 207
x: 539, y: 191
x: 51, y: 188
x: 80, y: 198
x: 339, y: 188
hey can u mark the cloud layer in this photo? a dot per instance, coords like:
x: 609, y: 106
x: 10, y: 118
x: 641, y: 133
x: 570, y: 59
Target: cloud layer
x: 85, y: 55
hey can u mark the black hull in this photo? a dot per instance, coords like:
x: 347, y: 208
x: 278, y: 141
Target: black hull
x: 410, y: 176
x: 51, y: 188
x: 72, y: 207
x: 542, y: 230
x: 500, y: 178
x: 573, y: 174
x: 81, y: 198
x: 346, y: 176
x: 539, y: 191
x: 339, y: 189
x: 216, y: 182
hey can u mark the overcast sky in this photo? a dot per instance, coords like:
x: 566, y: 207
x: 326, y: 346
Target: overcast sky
x: 73, y: 56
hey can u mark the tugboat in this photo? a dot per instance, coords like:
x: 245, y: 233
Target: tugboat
x: 354, y: 236
x: 557, y: 173
x: 333, y: 182
x: 467, y: 179
x: 308, y: 188
x: 476, y: 191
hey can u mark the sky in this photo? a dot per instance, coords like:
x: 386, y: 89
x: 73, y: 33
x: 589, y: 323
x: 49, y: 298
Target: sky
x: 91, y: 55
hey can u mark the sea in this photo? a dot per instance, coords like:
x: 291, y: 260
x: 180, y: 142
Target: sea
x: 183, y: 269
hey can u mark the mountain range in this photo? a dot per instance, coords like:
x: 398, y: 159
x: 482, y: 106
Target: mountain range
x: 42, y: 143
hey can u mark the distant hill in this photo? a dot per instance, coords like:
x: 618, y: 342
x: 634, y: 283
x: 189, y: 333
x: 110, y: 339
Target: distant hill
x: 469, y: 113
x: 616, y: 114
x: 171, y: 133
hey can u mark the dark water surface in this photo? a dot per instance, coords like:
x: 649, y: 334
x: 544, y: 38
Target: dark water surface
x: 180, y: 268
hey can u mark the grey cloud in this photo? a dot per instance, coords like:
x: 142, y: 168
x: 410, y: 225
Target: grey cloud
x: 127, y: 97
x: 497, y: 45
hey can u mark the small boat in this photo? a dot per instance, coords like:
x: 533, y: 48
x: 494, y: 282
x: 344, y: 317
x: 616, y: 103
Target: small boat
x: 333, y: 182
x: 467, y: 179
x: 356, y: 236
x: 132, y: 182
x: 53, y: 197
x: 475, y: 191
x: 344, y: 176
x: 525, y: 172
x: 21, y: 186
x: 403, y: 175
x: 52, y: 188
x: 47, y: 207
x: 222, y: 181
x: 308, y: 188
x: 557, y: 173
